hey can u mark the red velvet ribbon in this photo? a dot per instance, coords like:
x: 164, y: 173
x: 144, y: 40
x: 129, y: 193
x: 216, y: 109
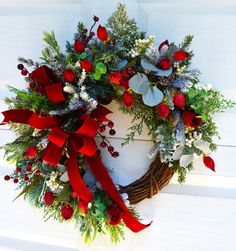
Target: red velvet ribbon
x: 30, y: 118
x: 82, y: 141
x: 47, y: 79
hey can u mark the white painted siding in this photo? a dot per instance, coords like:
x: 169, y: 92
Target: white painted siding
x: 197, y: 216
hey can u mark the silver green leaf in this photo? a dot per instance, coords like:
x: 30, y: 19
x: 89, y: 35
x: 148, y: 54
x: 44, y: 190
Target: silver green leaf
x: 153, y: 96
x: 139, y: 83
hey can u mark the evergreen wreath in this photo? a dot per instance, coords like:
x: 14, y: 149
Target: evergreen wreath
x: 58, y: 164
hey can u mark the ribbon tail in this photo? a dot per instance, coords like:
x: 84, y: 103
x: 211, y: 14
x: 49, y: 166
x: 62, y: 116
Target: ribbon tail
x: 106, y: 182
x: 16, y: 116
x: 76, y: 181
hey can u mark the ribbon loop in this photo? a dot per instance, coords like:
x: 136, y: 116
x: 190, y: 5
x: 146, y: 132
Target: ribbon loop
x: 45, y: 77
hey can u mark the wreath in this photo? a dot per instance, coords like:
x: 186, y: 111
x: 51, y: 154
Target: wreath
x: 57, y: 117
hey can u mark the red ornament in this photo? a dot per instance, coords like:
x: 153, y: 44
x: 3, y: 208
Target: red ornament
x: 191, y: 119
x: 48, y: 198
x: 180, y: 55
x: 165, y: 64
x: 179, y: 100
x: 7, y: 177
x: 68, y: 75
x: 83, y: 206
x: 67, y: 212
x: 24, y: 72
x: 127, y: 99
x: 209, y: 163
x: 163, y: 110
x: 115, y: 77
x: 78, y: 46
x: 31, y: 152
x: 102, y: 33
x: 115, y: 215
x: 86, y: 65
x: 166, y: 42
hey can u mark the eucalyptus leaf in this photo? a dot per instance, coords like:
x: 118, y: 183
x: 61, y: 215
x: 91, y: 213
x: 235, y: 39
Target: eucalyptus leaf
x: 153, y: 151
x: 178, y: 153
x: 203, y: 145
x: 164, y: 73
x: 121, y: 64
x: 64, y: 177
x: 89, y: 178
x: 148, y: 66
x: 153, y: 96
x: 139, y: 83
x: 186, y: 160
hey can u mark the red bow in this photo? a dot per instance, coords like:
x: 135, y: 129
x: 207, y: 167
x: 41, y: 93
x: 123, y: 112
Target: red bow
x: 80, y: 141
x: 47, y: 79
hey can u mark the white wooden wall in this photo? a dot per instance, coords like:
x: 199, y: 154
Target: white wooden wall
x: 201, y: 215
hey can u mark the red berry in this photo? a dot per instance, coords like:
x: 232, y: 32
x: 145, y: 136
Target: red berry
x: 103, y: 144
x: 74, y: 195
x: 112, y: 132
x: 111, y: 149
x: 115, y: 154
x: 92, y: 34
x: 29, y: 167
x: 95, y: 18
x: 68, y: 75
x: 78, y: 46
x: 102, y: 128
x: 84, y: 30
x: 18, y: 169
x: 7, y: 177
x: 26, y: 178
x: 67, y: 212
x: 31, y: 84
x: 20, y: 66
x: 127, y: 99
x: 38, y: 172
x: 24, y: 72
x: 31, y: 152
x: 83, y: 206
x: 165, y: 64
x: 110, y: 124
x: 15, y: 180
x: 48, y: 198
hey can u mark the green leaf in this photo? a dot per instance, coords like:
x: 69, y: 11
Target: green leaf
x: 83, y: 56
x: 96, y: 76
x: 191, y: 93
x: 35, y: 181
x: 100, y: 68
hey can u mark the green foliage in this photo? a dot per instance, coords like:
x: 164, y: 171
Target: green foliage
x: 28, y: 100
x: 123, y: 29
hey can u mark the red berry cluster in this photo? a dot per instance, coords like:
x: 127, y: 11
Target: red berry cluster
x: 23, y: 70
x: 22, y: 173
x: 105, y: 143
